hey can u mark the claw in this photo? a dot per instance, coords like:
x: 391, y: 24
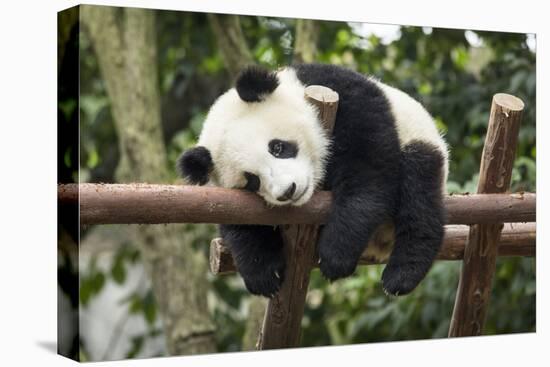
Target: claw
x: 390, y: 294
x: 277, y: 275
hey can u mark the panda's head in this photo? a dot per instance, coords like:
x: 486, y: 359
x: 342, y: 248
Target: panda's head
x: 262, y: 136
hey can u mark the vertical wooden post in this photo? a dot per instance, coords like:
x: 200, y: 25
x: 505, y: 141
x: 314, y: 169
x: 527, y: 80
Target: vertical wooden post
x: 497, y: 161
x: 282, y: 322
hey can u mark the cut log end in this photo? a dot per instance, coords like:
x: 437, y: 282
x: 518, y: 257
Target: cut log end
x: 321, y: 94
x: 508, y: 101
x: 220, y: 257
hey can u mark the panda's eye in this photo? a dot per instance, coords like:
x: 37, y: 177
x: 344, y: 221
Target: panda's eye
x: 282, y: 149
x: 252, y: 182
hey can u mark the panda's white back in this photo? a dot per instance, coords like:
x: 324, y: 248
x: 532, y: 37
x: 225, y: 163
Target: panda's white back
x: 413, y: 122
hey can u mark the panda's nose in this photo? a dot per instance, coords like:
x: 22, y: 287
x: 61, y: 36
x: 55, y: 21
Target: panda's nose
x: 288, y: 193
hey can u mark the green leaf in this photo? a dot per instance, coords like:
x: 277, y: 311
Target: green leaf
x: 91, y: 285
x: 137, y: 344
x: 67, y: 157
x: 93, y: 158
x: 68, y: 107
x: 98, y: 281
x: 425, y: 88
x: 150, y: 308
x: 118, y: 271
x: 460, y: 57
x: 136, y: 304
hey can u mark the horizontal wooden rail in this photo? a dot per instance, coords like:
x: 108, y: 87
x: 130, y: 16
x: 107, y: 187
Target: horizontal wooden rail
x: 517, y: 239
x: 154, y: 204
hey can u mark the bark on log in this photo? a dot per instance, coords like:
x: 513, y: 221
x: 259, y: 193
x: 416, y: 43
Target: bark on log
x: 474, y: 287
x: 517, y: 239
x: 125, y: 45
x: 283, y: 316
x: 156, y: 204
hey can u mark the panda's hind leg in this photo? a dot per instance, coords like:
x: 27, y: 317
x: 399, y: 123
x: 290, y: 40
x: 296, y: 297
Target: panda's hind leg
x: 420, y: 219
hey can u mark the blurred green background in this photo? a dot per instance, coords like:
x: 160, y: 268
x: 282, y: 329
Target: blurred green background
x: 454, y: 73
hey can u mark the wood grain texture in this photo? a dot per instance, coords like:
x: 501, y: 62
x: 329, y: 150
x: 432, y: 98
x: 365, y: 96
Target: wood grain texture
x: 283, y: 317
x: 154, y: 204
x: 517, y: 239
x: 474, y: 288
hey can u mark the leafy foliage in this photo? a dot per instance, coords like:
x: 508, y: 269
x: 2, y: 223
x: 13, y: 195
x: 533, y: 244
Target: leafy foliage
x: 452, y: 72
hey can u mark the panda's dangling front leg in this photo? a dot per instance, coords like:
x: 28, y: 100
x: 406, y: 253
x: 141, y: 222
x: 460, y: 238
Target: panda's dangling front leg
x: 419, y: 222
x: 258, y: 255
x: 360, y: 205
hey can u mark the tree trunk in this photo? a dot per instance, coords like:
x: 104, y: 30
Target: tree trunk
x: 125, y: 46
x: 231, y: 42
x: 305, y: 44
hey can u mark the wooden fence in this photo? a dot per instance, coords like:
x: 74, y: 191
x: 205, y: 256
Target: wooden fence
x: 481, y: 226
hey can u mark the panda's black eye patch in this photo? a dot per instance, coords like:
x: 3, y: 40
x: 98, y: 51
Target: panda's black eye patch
x: 283, y: 149
x: 252, y: 182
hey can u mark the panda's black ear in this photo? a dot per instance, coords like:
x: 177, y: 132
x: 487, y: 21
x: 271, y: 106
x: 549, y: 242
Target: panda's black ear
x: 195, y: 165
x: 254, y: 83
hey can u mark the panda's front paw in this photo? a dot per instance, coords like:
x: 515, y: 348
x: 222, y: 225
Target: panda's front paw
x: 398, y: 280
x: 335, y: 268
x: 264, y: 278
x: 334, y: 262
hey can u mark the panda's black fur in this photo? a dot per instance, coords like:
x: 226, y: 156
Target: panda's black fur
x: 372, y: 178
x: 196, y: 165
x: 254, y: 83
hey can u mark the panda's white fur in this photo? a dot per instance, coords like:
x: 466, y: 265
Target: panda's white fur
x: 237, y: 135
x: 413, y: 122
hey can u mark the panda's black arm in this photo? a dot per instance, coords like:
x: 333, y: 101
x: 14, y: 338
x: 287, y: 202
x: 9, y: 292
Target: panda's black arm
x: 419, y: 223
x: 258, y: 254
x: 360, y: 205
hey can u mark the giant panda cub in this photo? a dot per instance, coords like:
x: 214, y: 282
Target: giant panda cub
x: 384, y: 162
